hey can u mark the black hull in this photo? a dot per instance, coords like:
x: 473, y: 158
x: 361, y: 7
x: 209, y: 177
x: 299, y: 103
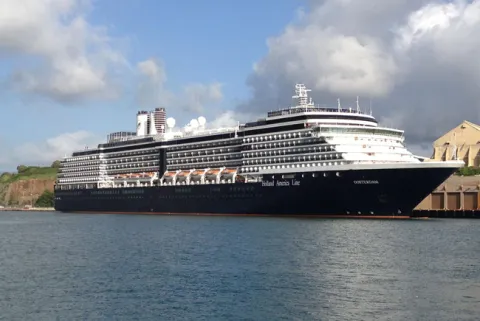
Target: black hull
x: 348, y: 193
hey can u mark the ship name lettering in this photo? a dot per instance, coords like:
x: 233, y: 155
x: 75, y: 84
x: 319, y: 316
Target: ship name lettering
x: 133, y: 191
x: 292, y: 182
x: 183, y: 190
x: 366, y: 182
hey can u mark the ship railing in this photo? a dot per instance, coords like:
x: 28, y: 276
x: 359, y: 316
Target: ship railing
x: 211, y: 131
x: 193, y: 133
x: 322, y: 129
x: 318, y: 109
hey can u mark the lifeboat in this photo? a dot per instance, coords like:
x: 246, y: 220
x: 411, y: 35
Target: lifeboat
x: 168, y: 177
x: 198, y: 172
x: 182, y: 176
x: 213, y: 172
x: 169, y: 174
x: 197, y: 175
x: 229, y: 174
x: 183, y: 173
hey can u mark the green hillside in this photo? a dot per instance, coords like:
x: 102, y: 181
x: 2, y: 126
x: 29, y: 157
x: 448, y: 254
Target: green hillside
x: 13, y: 191
x: 29, y: 172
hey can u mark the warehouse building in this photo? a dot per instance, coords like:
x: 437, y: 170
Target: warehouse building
x: 462, y: 142
x: 457, y: 192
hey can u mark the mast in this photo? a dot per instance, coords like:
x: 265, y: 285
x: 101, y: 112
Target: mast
x: 301, y: 93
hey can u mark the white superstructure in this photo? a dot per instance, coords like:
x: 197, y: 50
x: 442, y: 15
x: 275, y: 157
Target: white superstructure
x: 301, y: 138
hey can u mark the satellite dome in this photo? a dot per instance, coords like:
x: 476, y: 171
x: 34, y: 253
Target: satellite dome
x: 170, y: 122
x: 202, y: 121
x: 194, y: 123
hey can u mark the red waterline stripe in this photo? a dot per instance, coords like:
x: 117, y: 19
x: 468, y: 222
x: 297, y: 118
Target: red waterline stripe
x: 264, y: 215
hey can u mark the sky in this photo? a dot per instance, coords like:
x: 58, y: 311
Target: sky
x: 72, y: 71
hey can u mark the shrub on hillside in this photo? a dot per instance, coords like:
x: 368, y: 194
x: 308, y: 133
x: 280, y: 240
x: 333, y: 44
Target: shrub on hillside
x: 468, y: 171
x: 45, y: 200
x: 5, y: 177
x: 56, y: 164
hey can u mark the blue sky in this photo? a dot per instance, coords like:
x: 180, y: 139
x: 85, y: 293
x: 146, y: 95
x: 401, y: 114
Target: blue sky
x: 197, y: 41
x: 72, y: 71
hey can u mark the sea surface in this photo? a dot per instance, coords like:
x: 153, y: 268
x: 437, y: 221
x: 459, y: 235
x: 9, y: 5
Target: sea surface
x: 56, y: 266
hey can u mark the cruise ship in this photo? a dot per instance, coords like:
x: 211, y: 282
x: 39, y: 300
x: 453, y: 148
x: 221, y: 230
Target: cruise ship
x: 304, y: 160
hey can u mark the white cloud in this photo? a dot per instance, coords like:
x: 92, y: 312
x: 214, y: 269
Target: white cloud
x: 45, y: 152
x: 226, y: 119
x: 75, y: 60
x: 417, y: 59
x: 152, y: 90
x: 152, y: 69
x: 329, y: 61
x: 197, y: 96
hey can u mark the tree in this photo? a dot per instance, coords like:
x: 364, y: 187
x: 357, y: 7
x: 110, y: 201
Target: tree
x: 5, y: 177
x: 21, y: 168
x: 468, y: 171
x: 45, y: 200
x: 56, y: 164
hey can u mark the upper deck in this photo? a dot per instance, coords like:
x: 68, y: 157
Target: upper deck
x: 300, y: 110
x: 303, y: 111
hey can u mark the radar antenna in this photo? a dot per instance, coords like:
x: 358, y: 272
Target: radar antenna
x: 338, y: 104
x: 302, y: 95
x: 358, y: 105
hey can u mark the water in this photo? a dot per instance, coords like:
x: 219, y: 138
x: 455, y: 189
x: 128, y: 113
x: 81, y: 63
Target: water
x: 120, y: 267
